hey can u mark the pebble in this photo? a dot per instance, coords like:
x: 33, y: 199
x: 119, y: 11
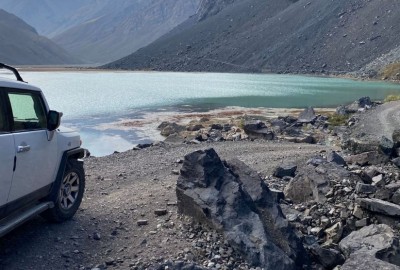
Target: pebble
x: 142, y: 222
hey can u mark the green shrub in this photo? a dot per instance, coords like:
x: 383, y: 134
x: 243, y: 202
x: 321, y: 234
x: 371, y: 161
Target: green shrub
x: 338, y: 120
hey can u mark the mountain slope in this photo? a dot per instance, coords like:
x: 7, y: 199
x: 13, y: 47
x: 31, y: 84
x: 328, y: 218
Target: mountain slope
x: 51, y: 17
x: 20, y: 44
x: 276, y: 36
x: 124, y: 30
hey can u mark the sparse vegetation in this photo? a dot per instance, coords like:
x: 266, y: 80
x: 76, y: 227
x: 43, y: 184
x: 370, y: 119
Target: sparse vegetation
x: 391, y: 98
x: 391, y: 71
x: 338, y: 120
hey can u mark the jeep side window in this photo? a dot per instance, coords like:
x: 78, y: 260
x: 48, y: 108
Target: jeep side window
x: 28, y: 111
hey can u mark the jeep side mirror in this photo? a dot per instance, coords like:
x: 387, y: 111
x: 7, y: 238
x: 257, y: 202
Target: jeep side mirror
x: 53, y: 120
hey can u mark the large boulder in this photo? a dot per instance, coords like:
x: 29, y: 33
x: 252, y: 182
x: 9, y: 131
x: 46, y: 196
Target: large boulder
x: 231, y: 198
x: 307, y: 116
x: 367, y: 262
x: 256, y: 129
x: 375, y: 240
x: 314, y: 182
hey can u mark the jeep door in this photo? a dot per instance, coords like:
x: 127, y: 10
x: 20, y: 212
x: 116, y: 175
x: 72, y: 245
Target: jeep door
x: 7, y: 154
x: 36, y: 156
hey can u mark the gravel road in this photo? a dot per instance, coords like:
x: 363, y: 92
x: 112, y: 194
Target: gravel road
x: 377, y: 122
x: 122, y: 189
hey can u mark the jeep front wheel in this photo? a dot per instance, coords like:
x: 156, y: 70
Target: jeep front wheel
x: 67, y: 194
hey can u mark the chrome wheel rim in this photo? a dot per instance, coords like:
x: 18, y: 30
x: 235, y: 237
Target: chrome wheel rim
x: 69, y: 190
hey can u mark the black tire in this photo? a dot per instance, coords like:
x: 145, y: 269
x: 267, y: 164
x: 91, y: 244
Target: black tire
x: 67, y: 194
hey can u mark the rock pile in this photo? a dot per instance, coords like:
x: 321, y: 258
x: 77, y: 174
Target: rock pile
x: 338, y: 209
x: 307, y: 128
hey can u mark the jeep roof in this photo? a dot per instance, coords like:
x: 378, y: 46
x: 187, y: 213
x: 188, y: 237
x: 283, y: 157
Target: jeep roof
x: 16, y: 84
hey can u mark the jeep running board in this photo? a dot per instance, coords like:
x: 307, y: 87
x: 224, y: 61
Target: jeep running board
x: 15, y: 221
x: 14, y: 70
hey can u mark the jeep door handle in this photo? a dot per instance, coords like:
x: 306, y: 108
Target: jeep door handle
x: 23, y: 148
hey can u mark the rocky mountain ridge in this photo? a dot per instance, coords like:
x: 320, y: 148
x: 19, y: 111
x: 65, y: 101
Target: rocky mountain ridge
x: 277, y: 36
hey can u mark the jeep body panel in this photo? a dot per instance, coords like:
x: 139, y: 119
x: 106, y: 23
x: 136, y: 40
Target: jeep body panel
x: 6, y: 165
x: 35, y: 168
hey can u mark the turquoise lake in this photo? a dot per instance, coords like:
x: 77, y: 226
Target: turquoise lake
x: 91, y: 98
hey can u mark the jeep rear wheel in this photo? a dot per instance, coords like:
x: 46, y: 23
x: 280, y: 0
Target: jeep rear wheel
x: 68, y: 193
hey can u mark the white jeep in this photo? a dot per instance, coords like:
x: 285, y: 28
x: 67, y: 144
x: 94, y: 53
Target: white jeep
x: 40, y: 167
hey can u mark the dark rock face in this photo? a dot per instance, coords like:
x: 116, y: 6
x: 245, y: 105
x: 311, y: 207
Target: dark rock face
x: 367, y: 158
x: 233, y: 199
x: 258, y: 130
x: 380, y: 206
x: 328, y: 258
x: 285, y: 170
x: 374, y: 240
x: 314, y: 182
x: 336, y: 158
x: 367, y: 262
x: 307, y: 116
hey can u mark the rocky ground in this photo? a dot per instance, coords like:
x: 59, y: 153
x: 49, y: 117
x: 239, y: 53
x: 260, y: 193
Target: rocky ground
x: 124, y: 189
x: 342, y: 207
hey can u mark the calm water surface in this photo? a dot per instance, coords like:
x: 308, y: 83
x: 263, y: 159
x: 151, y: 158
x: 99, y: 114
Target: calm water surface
x: 91, y: 98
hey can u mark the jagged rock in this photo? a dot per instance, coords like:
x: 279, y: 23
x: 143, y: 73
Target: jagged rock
x: 396, y: 162
x: 233, y: 199
x: 364, y: 102
x: 220, y: 127
x: 358, y: 212
x: 374, y: 240
x: 278, y: 125
x: 342, y: 110
x: 335, y: 232
x: 328, y: 258
x: 380, y: 206
x: 307, y: 116
x: 365, y: 188
x: 358, y: 146
x: 386, y: 146
x: 194, y: 127
x: 301, y: 139
x: 378, y: 180
x: 285, y: 170
x: 396, y: 197
x: 336, y: 158
x: 396, y: 138
x: 313, y: 183
x: 367, y: 158
x: 367, y: 262
x: 258, y: 130
x: 170, y: 128
x: 317, y: 160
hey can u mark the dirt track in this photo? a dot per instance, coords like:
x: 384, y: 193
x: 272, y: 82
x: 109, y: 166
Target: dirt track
x: 378, y: 122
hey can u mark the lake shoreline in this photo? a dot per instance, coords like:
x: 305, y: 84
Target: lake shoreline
x: 350, y: 76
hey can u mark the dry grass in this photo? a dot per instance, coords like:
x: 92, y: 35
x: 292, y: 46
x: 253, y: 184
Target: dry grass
x: 391, y: 98
x: 391, y: 71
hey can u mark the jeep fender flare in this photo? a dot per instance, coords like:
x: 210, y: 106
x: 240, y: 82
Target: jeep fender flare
x: 76, y: 153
